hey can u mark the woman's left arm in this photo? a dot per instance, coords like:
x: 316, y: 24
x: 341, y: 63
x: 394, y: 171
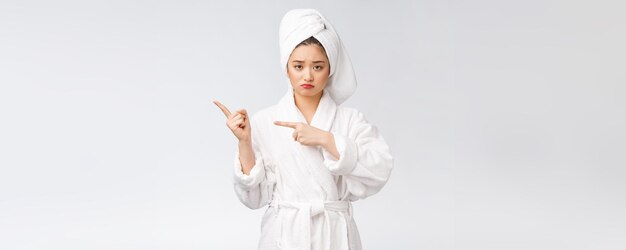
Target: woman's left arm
x: 362, y: 158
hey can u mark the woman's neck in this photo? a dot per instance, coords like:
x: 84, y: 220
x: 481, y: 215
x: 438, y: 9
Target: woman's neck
x: 307, y: 105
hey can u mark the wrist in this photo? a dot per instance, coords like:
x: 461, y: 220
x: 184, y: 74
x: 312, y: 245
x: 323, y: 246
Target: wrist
x: 328, y: 140
x: 245, y: 141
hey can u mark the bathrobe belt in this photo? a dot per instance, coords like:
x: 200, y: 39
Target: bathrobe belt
x: 305, y: 211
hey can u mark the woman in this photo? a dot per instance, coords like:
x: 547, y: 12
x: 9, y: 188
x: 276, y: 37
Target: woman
x: 306, y: 157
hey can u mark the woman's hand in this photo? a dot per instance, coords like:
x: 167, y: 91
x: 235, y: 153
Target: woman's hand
x: 308, y: 135
x: 237, y: 122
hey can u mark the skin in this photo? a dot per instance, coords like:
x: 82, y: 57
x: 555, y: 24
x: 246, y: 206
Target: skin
x: 239, y: 124
x: 307, y: 64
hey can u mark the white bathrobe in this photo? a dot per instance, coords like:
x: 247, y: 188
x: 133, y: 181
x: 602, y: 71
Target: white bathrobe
x: 307, y: 190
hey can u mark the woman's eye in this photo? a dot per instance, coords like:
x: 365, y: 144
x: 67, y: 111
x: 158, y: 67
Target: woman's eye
x: 318, y: 67
x: 298, y: 66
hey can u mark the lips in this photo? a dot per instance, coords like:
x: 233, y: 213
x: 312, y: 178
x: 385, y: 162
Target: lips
x: 307, y: 86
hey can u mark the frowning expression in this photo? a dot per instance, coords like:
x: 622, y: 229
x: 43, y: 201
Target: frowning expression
x: 308, y: 70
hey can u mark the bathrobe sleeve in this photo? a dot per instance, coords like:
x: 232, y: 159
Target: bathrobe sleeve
x: 254, y: 190
x: 365, y: 161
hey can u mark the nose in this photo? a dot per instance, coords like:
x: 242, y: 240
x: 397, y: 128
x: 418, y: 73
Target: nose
x: 308, y: 76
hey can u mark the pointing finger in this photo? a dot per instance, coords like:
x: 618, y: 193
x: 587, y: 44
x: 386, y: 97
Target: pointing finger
x: 286, y: 124
x: 223, y: 108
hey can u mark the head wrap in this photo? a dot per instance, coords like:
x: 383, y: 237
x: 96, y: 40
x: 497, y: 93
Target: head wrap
x: 299, y: 24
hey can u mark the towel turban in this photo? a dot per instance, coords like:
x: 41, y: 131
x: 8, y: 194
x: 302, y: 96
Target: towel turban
x: 299, y: 24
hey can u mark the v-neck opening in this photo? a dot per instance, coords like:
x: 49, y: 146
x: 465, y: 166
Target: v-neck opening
x: 321, y: 119
x: 315, y: 113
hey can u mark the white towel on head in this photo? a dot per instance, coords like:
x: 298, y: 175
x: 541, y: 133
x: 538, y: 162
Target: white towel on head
x: 299, y: 24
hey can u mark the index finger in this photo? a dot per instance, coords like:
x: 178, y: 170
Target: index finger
x: 286, y: 124
x: 223, y: 108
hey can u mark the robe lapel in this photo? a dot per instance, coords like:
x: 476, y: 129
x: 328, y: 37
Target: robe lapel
x: 325, y: 114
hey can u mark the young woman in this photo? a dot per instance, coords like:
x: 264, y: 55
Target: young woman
x: 306, y: 157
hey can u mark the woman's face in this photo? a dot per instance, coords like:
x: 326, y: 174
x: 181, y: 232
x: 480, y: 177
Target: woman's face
x: 308, y: 70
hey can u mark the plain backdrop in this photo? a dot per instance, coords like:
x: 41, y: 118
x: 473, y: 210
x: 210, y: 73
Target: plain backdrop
x: 506, y: 119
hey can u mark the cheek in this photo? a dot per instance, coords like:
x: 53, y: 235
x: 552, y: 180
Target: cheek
x: 323, y: 77
x: 290, y: 74
x: 293, y: 76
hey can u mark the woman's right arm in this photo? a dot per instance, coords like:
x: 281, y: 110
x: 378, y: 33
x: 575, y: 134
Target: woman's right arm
x: 252, y: 185
x: 239, y: 124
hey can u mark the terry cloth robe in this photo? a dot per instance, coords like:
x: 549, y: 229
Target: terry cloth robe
x: 308, y: 192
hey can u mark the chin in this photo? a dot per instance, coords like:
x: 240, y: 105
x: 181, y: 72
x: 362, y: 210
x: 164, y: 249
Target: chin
x: 307, y: 93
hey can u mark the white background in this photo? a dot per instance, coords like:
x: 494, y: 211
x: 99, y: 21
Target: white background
x: 507, y: 121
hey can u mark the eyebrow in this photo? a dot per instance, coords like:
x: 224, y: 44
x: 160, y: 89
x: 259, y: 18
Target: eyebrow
x: 300, y: 61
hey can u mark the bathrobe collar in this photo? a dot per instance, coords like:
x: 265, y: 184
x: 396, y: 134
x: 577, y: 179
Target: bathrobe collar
x: 323, y: 117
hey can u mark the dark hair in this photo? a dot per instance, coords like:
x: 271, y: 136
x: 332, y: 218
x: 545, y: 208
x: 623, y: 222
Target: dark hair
x: 312, y: 40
